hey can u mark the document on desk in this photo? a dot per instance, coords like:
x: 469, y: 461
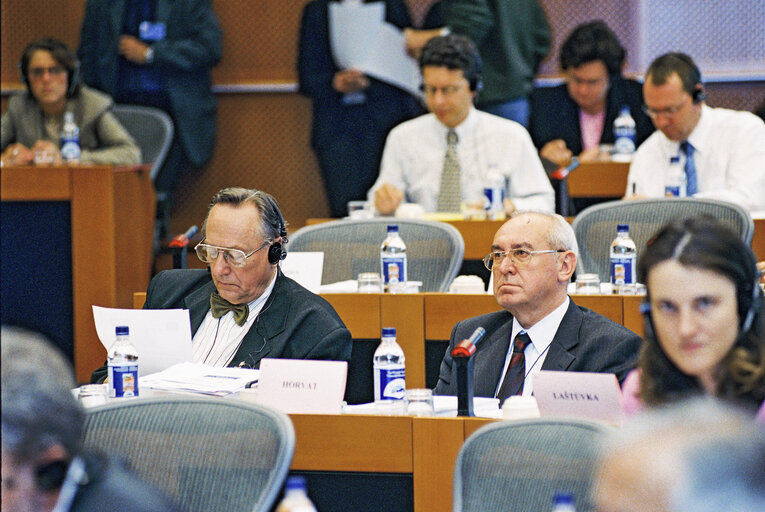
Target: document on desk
x: 201, y: 379
x: 361, y: 39
x: 161, y: 336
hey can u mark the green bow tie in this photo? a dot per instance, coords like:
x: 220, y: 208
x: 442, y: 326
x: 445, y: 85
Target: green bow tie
x: 220, y: 306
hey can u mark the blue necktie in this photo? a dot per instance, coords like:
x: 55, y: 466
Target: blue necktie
x: 690, y: 168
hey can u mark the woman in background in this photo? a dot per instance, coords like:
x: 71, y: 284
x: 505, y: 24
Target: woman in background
x: 704, y: 320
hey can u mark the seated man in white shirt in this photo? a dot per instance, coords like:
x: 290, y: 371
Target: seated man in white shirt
x: 420, y: 165
x: 721, y: 152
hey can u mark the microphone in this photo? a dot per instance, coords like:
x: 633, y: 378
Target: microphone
x: 463, y: 357
x: 561, y: 172
x: 182, y: 240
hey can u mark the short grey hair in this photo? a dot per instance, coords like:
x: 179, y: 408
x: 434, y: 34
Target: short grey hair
x: 38, y: 408
x: 560, y: 236
x: 271, y: 218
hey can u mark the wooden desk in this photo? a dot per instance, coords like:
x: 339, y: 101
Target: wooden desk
x: 758, y: 241
x: 112, y: 222
x: 598, y: 179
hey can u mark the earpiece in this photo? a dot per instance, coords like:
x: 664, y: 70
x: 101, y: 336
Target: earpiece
x: 752, y: 310
x: 645, y: 309
x: 698, y: 95
x: 276, y: 252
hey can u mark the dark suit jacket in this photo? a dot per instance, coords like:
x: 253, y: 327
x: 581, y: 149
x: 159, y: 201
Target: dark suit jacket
x: 585, y: 342
x: 191, y: 47
x: 555, y: 115
x: 293, y: 324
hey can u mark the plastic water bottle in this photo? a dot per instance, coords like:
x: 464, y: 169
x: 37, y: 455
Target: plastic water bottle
x: 393, y: 261
x: 389, y: 372
x: 563, y: 502
x: 623, y: 261
x: 494, y: 196
x: 676, y: 181
x: 296, y: 497
x: 624, y: 133
x: 70, y: 139
x: 122, y: 361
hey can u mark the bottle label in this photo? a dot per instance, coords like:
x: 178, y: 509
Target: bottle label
x: 623, y: 270
x: 390, y: 383
x: 70, y: 150
x: 394, y: 269
x: 625, y: 141
x: 123, y: 381
x: 674, y: 191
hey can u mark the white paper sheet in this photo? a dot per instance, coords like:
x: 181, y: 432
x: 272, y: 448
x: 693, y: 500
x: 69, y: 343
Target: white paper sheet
x: 161, y: 336
x: 305, y: 268
x: 444, y: 405
x: 201, y: 379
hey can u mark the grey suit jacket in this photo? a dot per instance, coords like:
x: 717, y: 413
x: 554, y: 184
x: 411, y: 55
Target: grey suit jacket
x: 293, y: 324
x: 585, y: 342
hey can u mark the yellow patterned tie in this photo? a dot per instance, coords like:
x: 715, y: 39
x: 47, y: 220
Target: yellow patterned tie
x: 220, y: 306
x: 450, y: 195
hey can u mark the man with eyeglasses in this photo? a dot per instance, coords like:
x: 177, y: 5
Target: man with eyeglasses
x: 242, y: 308
x: 44, y: 465
x: 721, y: 152
x: 445, y: 158
x: 532, y: 259
x: 34, y: 119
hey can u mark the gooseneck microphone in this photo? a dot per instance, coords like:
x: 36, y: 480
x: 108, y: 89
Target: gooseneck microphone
x: 462, y: 355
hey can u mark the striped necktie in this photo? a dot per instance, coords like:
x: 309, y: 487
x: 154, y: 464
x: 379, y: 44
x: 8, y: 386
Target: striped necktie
x: 692, y: 185
x: 516, y: 370
x: 449, y: 195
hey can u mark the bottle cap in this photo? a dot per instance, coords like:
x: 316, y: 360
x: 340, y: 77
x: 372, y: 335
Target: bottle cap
x: 622, y: 227
x: 388, y: 332
x: 392, y: 228
x: 296, y: 482
x: 122, y: 330
x: 563, y: 498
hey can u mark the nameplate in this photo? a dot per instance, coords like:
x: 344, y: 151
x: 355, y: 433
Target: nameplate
x: 305, y: 268
x: 593, y: 396
x: 300, y: 386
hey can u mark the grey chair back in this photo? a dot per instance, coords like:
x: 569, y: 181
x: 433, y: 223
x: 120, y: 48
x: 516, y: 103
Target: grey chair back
x: 152, y: 130
x: 206, y: 454
x: 434, y: 250
x: 595, y: 227
x: 522, y: 464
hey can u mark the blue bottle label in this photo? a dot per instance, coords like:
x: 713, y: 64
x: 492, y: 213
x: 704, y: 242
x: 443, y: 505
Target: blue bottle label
x: 123, y: 381
x: 622, y: 270
x: 390, y: 383
x: 394, y: 270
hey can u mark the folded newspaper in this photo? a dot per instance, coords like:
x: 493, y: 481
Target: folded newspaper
x: 201, y: 379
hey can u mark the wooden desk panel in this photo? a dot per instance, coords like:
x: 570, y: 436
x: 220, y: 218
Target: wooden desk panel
x: 633, y: 318
x: 360, y: 312
x: 444, y: 310
x: 437, y: 442
x: 598, y: 179
x: 758, y: 241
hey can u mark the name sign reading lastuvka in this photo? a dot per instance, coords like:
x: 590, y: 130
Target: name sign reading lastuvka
x: 593, y: 396
x: 302, y: 386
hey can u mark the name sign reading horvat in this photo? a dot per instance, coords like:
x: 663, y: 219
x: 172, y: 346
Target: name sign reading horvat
x: 302, y: 386
x: 594, y: 396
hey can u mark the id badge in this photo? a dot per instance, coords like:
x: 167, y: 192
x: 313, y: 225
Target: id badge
x: 148, y: 31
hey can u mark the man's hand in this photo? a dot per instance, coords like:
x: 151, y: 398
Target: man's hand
x: 387, y: 199
x: 508, y: 205
x: 18, y: 154
x: 416, y: 39
x: 350, y: 80
x: 132, y: 49
x: 557, y: 152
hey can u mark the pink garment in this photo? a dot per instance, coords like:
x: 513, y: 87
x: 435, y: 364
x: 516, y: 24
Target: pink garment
x: 591, y: 126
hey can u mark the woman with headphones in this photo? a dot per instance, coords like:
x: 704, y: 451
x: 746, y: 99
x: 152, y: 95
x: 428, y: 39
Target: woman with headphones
x: 34, y: 119
x: 705, y: 333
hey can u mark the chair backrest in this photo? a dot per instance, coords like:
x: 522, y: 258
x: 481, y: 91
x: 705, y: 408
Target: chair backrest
x: 521, y: 465
x: 206, y: 454
x: 152, y: 130
x: 434, y: 249
x: 595, y: 227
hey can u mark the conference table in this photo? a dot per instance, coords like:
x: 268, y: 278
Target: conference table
x: 74, y: 237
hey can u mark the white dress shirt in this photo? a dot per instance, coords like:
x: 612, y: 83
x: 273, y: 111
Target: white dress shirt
x: 217, y: 339
x: 729, y: 157
x: 487, y: 145
x: 541, y: 335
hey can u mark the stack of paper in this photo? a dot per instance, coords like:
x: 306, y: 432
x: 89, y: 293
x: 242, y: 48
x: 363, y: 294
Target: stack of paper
x: 199, y: 378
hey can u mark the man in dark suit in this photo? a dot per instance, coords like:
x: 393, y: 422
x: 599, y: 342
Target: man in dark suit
x: 243, y: 308
x: 44, y: 465
x: 532, y: 259
x: 157, y: 53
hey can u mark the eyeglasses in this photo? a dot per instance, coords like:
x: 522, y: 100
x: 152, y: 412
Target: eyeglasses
x: 449, y: 90
x: 234, y: 257
x: 520, y: 257
x: 53, y: 71
x: 653, y: 113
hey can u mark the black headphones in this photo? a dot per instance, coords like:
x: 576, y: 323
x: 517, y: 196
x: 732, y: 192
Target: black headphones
x: 698, y: 95
x: 276, y: 252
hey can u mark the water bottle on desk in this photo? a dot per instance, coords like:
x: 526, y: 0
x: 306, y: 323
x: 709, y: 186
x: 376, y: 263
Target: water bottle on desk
x: 563, y: 502
x: 676, y: 181
x: 296, y: 497
x: 494, y: 196
x: 624, y: 134
x: 623, y: 261
x: 389, y: 373
x: 122, y: 362
x: 70, y: 139
x: 393, y: 261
